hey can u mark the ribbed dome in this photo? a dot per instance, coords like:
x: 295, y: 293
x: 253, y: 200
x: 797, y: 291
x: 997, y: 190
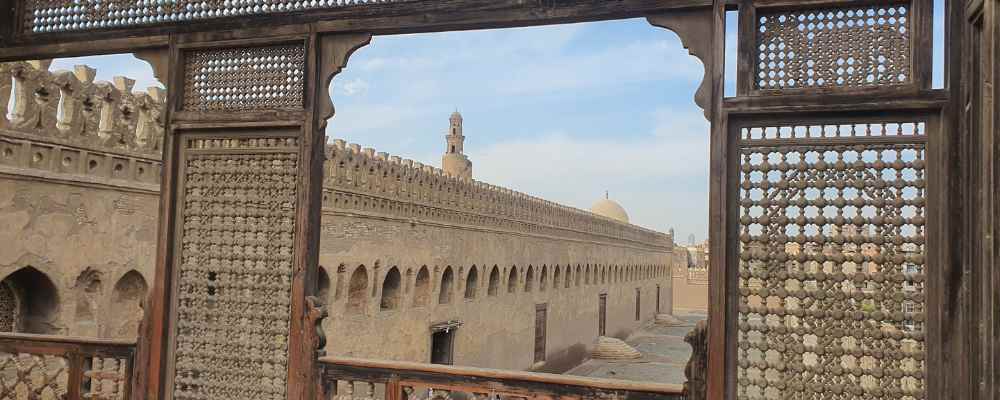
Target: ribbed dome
x: 609, y: 208
x: 608, y: 348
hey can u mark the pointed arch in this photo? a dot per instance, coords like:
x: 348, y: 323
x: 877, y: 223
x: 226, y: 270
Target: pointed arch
x: 543, y: 279
x: 494, y: 281
x: 447, y: 282
x: 512, y: 280
x: 128, y: 299
x: 557, y: 278
x: 391, y: 289
x: 471, y: 282
x: 529, y: 279
x: 357, y: 289
x: 323, y: 285
x: 569, y: 276
x: 422, y: 288
x: 579, y: 275
x: 36, y: 301
x: 87, y: 296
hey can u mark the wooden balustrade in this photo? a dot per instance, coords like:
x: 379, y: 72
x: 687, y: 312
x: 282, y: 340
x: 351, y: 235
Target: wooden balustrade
x: 35, y: 367
x: 357, y: 379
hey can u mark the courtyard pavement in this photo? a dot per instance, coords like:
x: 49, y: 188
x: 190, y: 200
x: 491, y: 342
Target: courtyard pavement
x: 664, y: 354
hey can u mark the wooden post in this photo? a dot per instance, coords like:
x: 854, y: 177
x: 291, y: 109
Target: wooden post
x: 241, y: 198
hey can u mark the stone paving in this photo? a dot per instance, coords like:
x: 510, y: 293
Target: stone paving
x: 664, y: 355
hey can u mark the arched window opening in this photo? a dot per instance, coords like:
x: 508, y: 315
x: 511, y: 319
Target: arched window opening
x: 391, y: 289
x: 127, y: 301
x: 35, y: 302
x: 569, y: 277
x: 494, y: 281
x: 529, y: 279
x: 422, y: 289
x: 556, y: 278
x: 471, y: 283
x: 512, y: 280
x: 447, y: 281
x: 543, y: 280
x: 357, y: 298
x: 587, y: 278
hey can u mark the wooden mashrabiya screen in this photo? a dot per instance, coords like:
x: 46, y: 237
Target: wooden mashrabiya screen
x: 831, y: 207
x: 43, y: 16
x: 832, y: 260
x: 235, y: 275
x: 238, y: 198
x: 834, y: 47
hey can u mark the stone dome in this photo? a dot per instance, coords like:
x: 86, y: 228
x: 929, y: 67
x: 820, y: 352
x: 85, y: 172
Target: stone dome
x: 609, y: 208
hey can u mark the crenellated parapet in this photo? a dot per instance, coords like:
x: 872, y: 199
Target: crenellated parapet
x: 66, y: 124
x: 70, y: 107
x: 363, y: 180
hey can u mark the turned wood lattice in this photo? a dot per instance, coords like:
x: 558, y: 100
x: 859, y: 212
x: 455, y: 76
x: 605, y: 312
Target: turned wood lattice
x: 40, y: 16
x: 832, y: 261
x: 245, y: 79
x: 843, y: 47
x: 36, y: 376
x: 235, y: 275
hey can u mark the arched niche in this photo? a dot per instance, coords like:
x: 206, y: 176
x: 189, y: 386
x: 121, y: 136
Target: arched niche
x: 529, y: 279
x: 128, y: 299
x: 512, y: 280
x: 471, y: 283
x: 391, y: 290
x: 447, y: 284
x: 494, y: 282
x: 422, y: 288
x: 323, y: 285
x: 357, y: 287
x: 87, y: 294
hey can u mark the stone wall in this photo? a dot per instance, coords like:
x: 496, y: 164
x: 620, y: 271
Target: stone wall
x: 690, y: 278
x: 79, y: 189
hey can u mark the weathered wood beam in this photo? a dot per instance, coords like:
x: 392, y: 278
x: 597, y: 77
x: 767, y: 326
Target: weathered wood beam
x: 379, y: 19
x: 77, y: 49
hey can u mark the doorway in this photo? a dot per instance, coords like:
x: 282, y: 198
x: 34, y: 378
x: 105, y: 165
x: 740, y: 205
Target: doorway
x: 443, y: 347
x: 541, y: 319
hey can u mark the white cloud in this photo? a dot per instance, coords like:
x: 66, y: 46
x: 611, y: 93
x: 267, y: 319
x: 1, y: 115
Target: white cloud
x: 354, y: 86
x: 660, y: 178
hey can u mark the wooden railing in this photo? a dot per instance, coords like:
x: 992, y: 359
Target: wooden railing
x: 35, y: 367
x: 357, y: 379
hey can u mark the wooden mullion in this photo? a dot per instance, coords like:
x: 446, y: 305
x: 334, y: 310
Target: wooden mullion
x: 746, y: 61
x: 922, y: 43
x: 721, y: 379
x: 74, y: 386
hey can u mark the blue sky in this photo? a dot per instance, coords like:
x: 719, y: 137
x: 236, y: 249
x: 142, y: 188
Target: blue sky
x: 561, y: 112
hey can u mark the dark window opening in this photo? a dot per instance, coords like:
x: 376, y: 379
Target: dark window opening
x: 442, y: 347
x: 602, y: 315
